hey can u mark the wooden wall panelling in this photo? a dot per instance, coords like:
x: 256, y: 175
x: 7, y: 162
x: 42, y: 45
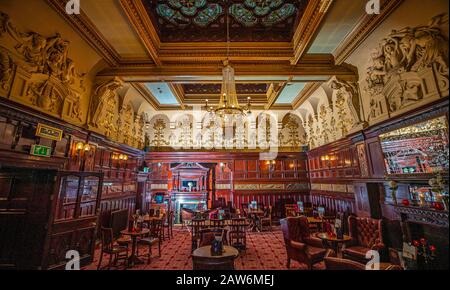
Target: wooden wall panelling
x: 376, y: 158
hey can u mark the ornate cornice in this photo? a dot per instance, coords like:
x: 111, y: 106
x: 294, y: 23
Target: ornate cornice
x: 87, y: 31
x: 366, y: 25
x: 173, y: 71
x: 423, y: 216
x: 136, y: 13
x: 308, y: 26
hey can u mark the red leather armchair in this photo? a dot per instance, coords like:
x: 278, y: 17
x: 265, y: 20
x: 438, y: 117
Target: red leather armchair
x: 367, y: 234
x: 300, y: 245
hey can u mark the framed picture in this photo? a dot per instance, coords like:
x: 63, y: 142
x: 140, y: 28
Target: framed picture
x: 48, y: 132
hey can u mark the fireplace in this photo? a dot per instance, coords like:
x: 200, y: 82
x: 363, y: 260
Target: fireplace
x: 430, y: 224
x: 191, y: 187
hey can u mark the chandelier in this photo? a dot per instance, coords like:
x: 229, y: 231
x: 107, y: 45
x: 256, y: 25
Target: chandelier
x: 228, y: 103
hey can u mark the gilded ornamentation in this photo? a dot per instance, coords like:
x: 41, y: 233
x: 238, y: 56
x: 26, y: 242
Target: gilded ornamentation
x: 323, y: 113
x: 47, y: 55
x: 350, y: 92
x: 104, y: 106
x: 363, y: 166
x: 344, y: 122
x: 6, y: 70
x: 125, y: 124
x: 46, y: 76
x: 158, y: 136
x: 291, y: 138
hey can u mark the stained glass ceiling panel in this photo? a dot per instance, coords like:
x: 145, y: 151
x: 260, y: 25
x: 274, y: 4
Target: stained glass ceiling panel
x: 205, y: 20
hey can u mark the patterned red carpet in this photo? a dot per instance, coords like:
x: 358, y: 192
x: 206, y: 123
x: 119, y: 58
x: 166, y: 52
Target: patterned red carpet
x: 265, y: 251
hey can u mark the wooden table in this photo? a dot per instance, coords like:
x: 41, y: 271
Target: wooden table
x: 133, y: 259
x: 204, y: 253
x: 332, y: 242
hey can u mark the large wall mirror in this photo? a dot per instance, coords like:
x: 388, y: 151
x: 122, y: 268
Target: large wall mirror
x: 416, y: 149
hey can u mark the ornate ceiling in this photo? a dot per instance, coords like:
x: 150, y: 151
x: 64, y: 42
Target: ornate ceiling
x: 214, y: 89
x: 205, y: 20
x: 173, y: 51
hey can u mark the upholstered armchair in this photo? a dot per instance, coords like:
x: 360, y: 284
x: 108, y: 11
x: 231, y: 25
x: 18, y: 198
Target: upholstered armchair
x: 367, y: 234
x: 300, y: 245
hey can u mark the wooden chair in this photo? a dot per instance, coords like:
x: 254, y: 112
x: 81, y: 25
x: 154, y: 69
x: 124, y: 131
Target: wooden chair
x: 300, y: 245
x: 119, y: 222
x: 168, y: 224
x: 153, y: 238
x: 217, y: 223
x: 289, y: 210
x: 208, y: 235
x: 266, y: 219
x: 186, y: 217
x: 108, y: 247
x: 238, y: 235
x: 196, y: 226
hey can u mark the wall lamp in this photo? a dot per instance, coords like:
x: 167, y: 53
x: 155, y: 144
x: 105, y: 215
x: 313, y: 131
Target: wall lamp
x: 118, y: 156
x: 83, y: 147
x: 327, y: 159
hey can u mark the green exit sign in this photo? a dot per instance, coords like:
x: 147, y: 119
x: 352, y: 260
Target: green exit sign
x: 39, y: 150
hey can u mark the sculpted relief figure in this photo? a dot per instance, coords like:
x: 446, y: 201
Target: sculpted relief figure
x: 403, y: 64
x: 48, y: 55
x: 349, y: 92
x: 6, y: 70
x: 104, y: 104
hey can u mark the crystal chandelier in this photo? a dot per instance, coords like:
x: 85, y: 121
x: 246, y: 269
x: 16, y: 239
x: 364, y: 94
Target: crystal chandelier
x: 228, y: 104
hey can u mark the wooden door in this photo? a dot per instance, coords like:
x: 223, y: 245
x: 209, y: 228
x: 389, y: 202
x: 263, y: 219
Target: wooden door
x: 75, y: 218
x: 25, y: 203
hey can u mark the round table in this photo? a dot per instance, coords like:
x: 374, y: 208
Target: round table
x: 204, y: 253
x: 332, y: 242
x: 133, y: 260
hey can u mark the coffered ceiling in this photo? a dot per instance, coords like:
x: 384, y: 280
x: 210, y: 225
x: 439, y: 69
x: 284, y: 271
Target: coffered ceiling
x: 206, y: 20
x: 172, y: 51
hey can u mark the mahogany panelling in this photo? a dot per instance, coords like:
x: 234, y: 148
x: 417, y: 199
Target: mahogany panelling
x: 341, y: 161
x: 24, y: 214
x: 334, y: 202
x: 376, y: 157
x: 266, y: 198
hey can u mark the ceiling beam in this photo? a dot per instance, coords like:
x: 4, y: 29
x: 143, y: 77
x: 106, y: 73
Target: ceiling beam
x: 311, y: 68
x: 274, y: 92
x: 87, y: 30
x: 308, y: 27
x: 137, y: 15
x: 177, y: 91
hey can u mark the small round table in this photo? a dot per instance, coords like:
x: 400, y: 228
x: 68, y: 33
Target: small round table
x: 332, y: 242
x: 133, y: 259
x: 204, y: 253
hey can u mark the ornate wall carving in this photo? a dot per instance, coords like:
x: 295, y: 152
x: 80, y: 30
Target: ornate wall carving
x: 38, y: 73
x: 105, y: 107
x: 408, y: 69
x: 216, y: 134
